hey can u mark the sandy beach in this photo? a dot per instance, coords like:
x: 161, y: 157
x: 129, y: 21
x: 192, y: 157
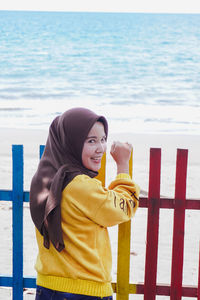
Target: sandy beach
x: 31, y: 139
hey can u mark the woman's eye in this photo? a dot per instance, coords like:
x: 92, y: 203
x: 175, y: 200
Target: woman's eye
x: 103, y: 140
x: 91, y: 141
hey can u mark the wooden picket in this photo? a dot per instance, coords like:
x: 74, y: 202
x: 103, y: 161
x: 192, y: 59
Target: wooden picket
x: 123, y: 288
x: 152, y: 225
x: 198, y: 292
x: 123, y: 255
x: 179, y: 223
x: 17, y: 219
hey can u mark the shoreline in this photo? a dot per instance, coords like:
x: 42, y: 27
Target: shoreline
x: 169, y: 143
x: 31, y: 138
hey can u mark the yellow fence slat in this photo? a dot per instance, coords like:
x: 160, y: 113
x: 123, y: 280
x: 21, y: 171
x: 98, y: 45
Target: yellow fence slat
x: 102, y: 172
x: 123, y: 258
x: 123, y: 261
x: 132, y: 288
x: 131, y: 165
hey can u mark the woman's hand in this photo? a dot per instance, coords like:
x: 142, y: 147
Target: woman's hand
x: 121, y: 153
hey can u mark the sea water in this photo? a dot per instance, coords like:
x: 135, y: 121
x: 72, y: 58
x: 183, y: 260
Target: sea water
x: 142, y: 71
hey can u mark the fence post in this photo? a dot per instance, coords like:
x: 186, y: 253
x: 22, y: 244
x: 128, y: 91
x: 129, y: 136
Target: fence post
x: 153, y: 224
x: 123, y: 257
x: 198, y: 289
x: 17, y: 221
x: 179, y: 224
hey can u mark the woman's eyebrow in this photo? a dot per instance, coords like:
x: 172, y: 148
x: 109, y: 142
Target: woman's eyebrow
x: 91, y: 137
x: 94, y: 137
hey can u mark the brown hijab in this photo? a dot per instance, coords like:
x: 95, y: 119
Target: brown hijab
x: 60, y: 163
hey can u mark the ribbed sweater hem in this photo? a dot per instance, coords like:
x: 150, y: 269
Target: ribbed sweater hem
x: 75, y: 286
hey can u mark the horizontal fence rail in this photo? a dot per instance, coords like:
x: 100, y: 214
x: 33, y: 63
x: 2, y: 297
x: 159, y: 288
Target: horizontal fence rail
x: 153, y: 203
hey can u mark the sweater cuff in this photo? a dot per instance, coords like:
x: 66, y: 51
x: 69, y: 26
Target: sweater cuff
x: 123, y: 176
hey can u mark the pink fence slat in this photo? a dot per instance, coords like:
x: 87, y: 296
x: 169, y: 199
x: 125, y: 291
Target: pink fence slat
x: 152, y: 225
x: 179, y: 224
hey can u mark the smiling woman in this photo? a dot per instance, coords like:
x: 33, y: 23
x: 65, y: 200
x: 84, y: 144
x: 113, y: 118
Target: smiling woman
x: 72, y: 210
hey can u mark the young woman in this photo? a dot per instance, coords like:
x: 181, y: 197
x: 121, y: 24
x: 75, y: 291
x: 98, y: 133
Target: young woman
x: 72, y: 210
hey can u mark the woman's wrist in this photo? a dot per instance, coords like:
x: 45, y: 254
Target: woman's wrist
x: 123, y: 168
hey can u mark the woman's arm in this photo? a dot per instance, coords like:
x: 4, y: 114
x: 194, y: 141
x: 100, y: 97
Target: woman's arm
x: 121, y: 153
x: 104, y: 206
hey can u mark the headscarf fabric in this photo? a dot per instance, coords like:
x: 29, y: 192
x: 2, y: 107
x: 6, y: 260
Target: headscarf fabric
x: 60, y: 163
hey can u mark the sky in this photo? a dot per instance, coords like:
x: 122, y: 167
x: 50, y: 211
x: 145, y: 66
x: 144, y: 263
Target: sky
x: 156, y: 6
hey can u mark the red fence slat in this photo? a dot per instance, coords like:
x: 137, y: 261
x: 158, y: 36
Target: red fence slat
x: 198, y: 291
x: 169, y: 203
x: 152, y: 225
x: 179, y: 224
x: 164, y: 290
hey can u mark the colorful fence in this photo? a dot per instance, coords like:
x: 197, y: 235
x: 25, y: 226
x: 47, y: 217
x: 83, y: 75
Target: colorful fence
x: 153, y: 202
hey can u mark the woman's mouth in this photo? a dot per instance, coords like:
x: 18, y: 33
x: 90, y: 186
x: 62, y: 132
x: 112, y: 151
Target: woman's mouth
x: 96, y: 159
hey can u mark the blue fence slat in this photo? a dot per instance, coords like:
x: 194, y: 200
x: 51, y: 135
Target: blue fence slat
x: 5, y: 195
x: 6, y: 281
x: 26, y: 196
x: 17, y: 153
x: 29, y: 282
x: 41, y: 150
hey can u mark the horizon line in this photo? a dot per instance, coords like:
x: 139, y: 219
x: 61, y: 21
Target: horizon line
x: 111, y: 12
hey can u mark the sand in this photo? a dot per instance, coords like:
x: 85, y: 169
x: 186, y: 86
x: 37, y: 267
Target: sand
x: 31, y: 139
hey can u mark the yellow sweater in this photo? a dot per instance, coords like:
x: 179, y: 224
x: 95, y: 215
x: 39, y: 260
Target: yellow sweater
x: 87, y: 208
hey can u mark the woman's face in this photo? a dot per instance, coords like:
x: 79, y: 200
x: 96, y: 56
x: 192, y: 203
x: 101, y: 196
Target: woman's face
x: 94, y: 147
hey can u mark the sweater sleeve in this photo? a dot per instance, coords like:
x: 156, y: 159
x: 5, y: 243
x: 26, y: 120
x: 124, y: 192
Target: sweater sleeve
x: 107, y: 206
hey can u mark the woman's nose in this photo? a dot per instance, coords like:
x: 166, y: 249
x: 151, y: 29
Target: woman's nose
x: 100, y: 147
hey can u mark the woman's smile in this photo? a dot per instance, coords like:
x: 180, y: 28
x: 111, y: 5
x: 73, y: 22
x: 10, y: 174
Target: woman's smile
x: 94, y: 147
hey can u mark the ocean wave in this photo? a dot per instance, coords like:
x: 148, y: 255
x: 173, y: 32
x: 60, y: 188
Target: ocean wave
x: 9, y: 109
x: 170, y: 120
